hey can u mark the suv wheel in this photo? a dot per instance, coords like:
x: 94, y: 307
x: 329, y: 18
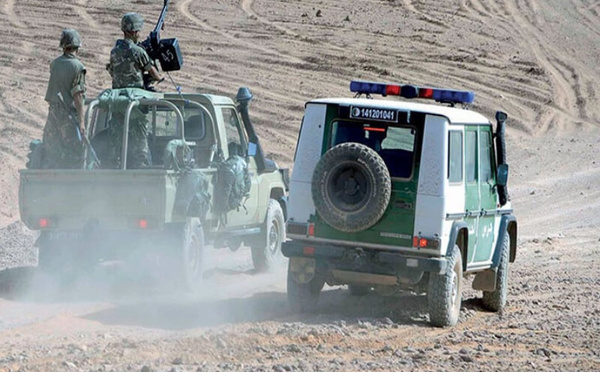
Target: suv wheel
x: 351, y: 187
x: 266, y: 253
x: 444, y: 295
x: 303, y: 297
x: 496, y: 300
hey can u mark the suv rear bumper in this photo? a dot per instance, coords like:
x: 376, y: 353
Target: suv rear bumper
x: 359, y: 259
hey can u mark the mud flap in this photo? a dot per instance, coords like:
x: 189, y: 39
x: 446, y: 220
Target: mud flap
x: 485, y: 280
x: 302, y: 269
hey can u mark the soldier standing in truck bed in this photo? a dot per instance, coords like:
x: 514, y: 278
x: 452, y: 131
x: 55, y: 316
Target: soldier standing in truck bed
x: 65, y: 95
x: 128, y: 62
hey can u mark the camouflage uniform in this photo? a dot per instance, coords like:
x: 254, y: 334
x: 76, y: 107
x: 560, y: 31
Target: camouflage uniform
x: 137, y: 145
x: 128, y: 61
x: 61, y: 145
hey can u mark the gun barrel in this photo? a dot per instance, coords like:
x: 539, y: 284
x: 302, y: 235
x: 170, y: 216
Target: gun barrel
x: 161, y: 18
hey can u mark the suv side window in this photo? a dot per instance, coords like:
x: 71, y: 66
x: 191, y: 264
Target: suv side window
x: 485, y: 157
x: 471, y: 155
x: 235, y: 136
x: 455, y: 156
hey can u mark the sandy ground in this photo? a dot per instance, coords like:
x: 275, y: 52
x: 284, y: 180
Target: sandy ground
x: 536, y: 60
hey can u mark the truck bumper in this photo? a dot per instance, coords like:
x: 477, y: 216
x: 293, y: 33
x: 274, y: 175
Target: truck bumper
x: 366, y: 260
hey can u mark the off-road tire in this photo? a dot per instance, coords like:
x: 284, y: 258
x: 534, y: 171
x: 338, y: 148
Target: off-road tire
x: 184, y: 255
x: 351, y: 187
x: 65, y: 258
x: 444, y: 295
x: 303, y: 297
x: 359, y: 290
x: 495, y: 300
x: 268, y: 250
x: 49, y: 257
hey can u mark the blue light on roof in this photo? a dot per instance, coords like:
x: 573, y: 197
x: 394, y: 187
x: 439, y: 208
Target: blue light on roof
x: 456, y: 96
x: 411, y: 91
x: 367, y: 87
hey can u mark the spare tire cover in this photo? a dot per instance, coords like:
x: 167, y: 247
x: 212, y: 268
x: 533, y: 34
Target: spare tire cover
x: 351, y: 187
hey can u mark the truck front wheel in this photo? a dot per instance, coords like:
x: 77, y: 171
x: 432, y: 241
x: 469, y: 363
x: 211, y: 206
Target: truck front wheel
x: 268, y: 248
x: 444, y: 294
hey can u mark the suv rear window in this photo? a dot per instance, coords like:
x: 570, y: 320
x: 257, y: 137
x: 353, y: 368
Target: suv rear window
x: 394, y: 144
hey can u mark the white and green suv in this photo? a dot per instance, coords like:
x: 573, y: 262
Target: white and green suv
x: 397, y: 195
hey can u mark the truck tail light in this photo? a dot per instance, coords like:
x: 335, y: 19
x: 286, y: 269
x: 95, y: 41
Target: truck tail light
x: 308, y: 251
x: 143, y: 223
x: 44, y: 223
x: 423, y: 242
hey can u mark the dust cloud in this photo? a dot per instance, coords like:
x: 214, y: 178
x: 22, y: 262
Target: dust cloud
x: 136, y: 290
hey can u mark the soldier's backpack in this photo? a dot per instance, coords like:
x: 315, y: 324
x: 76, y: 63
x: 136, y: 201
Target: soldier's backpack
x: 233, y: 184
x: 192, y: 198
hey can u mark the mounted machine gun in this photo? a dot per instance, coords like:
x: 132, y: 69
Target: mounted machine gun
x: 166, y: 51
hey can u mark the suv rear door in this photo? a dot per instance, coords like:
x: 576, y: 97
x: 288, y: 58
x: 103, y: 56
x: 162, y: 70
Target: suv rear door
x: 487, y: 196
x: 480, y: 190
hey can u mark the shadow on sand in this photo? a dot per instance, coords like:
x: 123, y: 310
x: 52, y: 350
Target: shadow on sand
x: 138, y: 302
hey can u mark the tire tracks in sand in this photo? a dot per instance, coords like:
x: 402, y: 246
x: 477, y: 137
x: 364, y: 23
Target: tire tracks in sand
x: 184, y: 9
x: 9, y: 10
x: 525, y: 19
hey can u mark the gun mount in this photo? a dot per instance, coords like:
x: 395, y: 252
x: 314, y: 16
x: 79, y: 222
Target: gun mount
x: 166, y: 50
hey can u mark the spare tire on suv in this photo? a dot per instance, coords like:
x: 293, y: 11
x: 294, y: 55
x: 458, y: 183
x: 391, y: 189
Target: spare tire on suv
x: 351, y: 187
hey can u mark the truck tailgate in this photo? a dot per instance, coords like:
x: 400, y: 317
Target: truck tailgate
x: 113, y: 199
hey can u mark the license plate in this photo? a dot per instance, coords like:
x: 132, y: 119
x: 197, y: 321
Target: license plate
x: 370, y: 113
x: 54, y: 236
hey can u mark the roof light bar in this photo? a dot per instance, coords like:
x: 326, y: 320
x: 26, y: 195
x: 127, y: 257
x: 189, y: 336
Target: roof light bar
x: 412, y: 91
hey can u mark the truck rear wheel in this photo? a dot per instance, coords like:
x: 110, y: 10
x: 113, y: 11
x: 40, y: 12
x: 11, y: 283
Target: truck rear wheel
x: 268, y: 249
x: 444, y: 296
x: 185, y: 261
x: 64, y: 258
x: 49, y: 257
x: 351, y: 187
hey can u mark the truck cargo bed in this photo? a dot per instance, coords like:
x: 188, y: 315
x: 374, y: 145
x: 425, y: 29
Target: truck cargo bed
x: 114, y: 199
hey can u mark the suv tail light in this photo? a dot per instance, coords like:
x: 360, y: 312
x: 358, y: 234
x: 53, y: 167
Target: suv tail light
x: 423, y: 242
x: 305, y: 229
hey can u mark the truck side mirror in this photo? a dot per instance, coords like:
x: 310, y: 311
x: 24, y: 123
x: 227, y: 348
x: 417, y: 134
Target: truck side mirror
x: 252, y: 149
x: 502, y: 175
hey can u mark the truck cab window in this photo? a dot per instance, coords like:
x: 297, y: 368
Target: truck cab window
x: 166, y: 124
x: 235, y: 135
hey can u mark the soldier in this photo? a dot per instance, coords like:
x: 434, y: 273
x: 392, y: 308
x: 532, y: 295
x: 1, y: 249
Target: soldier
x: 65, y: 95
x: 128, y: 62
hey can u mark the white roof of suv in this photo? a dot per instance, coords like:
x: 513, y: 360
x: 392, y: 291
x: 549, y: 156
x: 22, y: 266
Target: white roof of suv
x: 454, y: 115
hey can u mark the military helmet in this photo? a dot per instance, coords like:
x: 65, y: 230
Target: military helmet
x: 70, y: 38
x: 132, y: 22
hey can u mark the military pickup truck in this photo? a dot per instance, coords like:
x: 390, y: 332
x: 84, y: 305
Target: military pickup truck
x: 208, y: 183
